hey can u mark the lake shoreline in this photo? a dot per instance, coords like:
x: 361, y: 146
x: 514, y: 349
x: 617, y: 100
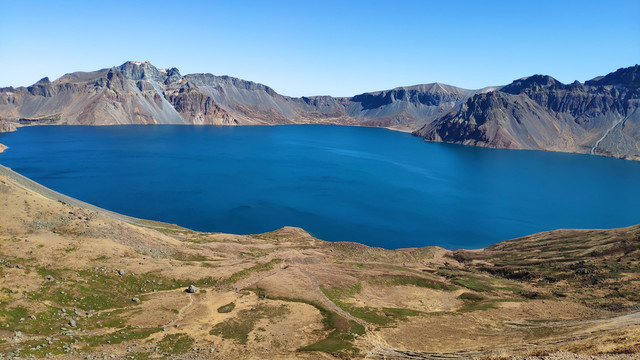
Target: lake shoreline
x: 406, y: 131
x: 62, y: 198
x: 145, y: 266
x: 311, y: 177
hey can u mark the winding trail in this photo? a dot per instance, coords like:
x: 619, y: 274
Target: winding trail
x: 256, y: 279
x: 327, y: 302
x: 595, y: 146
x: 381, y: 348
x: 180, y: 313
x: 590, y: 329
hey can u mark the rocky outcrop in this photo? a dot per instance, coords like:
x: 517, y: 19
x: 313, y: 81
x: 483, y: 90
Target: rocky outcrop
x: 198, y: 107
x: 600, y: 116
x: 6, y: 126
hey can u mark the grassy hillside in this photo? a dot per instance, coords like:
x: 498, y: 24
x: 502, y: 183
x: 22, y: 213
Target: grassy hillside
x: 79, y: 281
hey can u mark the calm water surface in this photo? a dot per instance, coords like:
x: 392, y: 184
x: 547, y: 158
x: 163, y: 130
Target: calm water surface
x: 374, y: 186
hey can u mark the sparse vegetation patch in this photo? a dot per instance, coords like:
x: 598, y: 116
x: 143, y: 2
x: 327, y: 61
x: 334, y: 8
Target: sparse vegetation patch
x: 246, y: 272
x: 227, y: 308
x: 175, y: 344
x: 390, y: 280
x: 368, y: 314
x: 239, y: 327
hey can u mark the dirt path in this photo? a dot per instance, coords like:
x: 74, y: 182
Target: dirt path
x: 327, y: 302
x: 590, y: 329
x: 257, y: 279
x: 316, y: 288
x: 180, y: 313
x: 380, y: 346
x: 372, y: 336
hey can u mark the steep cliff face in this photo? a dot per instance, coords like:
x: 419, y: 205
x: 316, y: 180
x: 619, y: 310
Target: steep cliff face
x: 6, y: 126
x: 600, y: 116
x: 248, y: 101
x: 198, y: 107
x: 139, y: 93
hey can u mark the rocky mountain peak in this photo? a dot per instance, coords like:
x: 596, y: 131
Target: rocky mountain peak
x: 144, y: 70
x: 171, y: 74
x: 43, y: 87
x: 626, y: 77
x: 45, y: 80
x: 535, y: 82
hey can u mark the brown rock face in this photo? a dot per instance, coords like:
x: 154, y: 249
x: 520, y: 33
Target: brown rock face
x: 202, y: 109
x: 6, y: 126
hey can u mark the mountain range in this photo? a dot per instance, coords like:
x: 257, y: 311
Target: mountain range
x: 538, y: 112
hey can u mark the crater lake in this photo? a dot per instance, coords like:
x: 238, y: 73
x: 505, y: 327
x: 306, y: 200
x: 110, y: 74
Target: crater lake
x: 369, y: 185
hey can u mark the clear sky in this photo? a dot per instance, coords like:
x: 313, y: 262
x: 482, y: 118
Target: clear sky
x: 339, y: 48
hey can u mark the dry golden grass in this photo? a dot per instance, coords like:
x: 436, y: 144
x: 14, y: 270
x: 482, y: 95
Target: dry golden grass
x: 122, y: 282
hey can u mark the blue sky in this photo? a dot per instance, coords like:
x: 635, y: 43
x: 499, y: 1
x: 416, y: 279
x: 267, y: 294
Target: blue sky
x: 339, y: 48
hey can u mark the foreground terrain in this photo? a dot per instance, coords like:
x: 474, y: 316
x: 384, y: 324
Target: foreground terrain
x: 80, y: 282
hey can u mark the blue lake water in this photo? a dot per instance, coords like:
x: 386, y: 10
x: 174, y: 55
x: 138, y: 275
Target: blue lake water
x: 369, y: 185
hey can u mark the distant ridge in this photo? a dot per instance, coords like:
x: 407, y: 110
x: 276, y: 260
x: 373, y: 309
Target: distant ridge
x: 139, y: 93
x: 599, y: 116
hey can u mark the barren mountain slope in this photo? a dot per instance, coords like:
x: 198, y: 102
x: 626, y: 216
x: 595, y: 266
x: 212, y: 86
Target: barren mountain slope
x: 79, y: 281
x: 139, y: 93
